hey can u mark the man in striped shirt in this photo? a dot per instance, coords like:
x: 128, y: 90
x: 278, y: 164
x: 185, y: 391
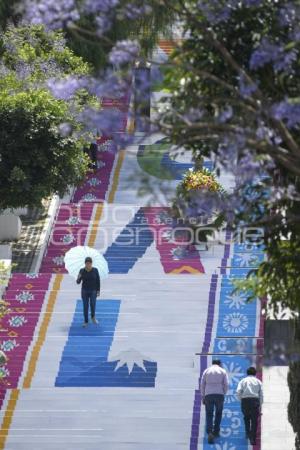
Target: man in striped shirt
x: 250, y: 392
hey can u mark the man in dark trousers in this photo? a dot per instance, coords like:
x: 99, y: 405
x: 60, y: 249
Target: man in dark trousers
x: 90, y: 289
x: 214, y: 386
x: 250, y: 392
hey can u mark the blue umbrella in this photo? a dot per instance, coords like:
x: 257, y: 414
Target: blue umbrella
x: 74, y: 260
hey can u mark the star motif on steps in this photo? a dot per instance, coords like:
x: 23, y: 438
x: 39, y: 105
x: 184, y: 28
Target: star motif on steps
x: 130, y: 358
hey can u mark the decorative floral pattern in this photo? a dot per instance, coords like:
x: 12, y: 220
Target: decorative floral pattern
x: 234, y: 371
x: 100, y: 164
x: 236, y: 300
x: 94, y: 181
x: 233, y: 423
x: 178, y: 253
x: 58, y: 260
x: 105, y: 146
x: 68, y: 238
x: 235, y: 323
x: 73, y: 220
x: 17, y: 321
x: 9, y: 345
x: 32, y: 275
x: 247, y: 260
x: 89, y: 197
x: 25, y: 297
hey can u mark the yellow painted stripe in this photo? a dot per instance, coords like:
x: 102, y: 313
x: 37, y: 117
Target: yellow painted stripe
x: 43, y: 331
x: 116, y: 176
x: 186, y: 269
x: 93, y: 234
x: 6, y: 423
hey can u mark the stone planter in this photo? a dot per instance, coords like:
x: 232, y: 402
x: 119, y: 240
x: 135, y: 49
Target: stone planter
x: 10, y: 227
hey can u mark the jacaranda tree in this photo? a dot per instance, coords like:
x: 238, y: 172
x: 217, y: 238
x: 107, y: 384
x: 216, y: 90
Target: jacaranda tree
x: 40, y: 140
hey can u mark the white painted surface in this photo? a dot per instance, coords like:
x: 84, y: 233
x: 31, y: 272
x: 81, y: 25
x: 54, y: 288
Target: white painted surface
x: 277, y: 433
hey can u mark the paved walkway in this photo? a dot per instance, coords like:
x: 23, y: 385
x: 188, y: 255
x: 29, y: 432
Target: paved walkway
x: 131, y: 383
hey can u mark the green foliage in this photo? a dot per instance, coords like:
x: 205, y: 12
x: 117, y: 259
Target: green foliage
x: 35, y: 160
x: 4, y: 274
x: 41, y: 54
x: 294, y: 404
x: 276, y: 279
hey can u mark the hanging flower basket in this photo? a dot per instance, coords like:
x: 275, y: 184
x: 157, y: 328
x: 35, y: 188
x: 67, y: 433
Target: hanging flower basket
x: 198, y: 180
x: 195, y: 182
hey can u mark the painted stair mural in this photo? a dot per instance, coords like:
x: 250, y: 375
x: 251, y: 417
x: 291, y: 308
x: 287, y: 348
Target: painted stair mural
x: 131, y: 382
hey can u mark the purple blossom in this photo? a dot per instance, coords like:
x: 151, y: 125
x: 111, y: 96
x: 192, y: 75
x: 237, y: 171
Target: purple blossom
x: 285, y: 63
x: 65, y: 129
x: 110, y: 86
x: 52, y: 13
x: 134, y: 12
x: 264, y: 54
x: 23, y: 70
x: 268, y: 52
x: 246, y: 168
x: 225, y: 114
x: 287, y: 111
x: 288, y: 14
x: 103, y: 6
x: 108, y: 121
x: 124, y: 52
x: 4, y: 71
x: 193, y: 115
x: 104, y: 12
x: 103, y: 23
x: 252, y: 3
x: 215, y: 11
x: 65, y: 88
x: 246, y: 89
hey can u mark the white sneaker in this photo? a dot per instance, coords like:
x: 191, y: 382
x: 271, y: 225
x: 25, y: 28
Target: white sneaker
x: 85, y: 324
x: 94, y: 320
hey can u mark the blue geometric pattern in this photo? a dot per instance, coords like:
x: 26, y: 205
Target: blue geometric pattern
x: 84, y: 360
x: 236, y: 342
x: 130, y: 245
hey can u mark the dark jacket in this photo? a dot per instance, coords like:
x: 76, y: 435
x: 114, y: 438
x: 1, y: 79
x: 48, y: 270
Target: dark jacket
x: 90, y: 280
x: 93, y: 152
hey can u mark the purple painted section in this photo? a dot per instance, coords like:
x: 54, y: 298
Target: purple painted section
x: 203, y: 363
x: 226, y: 252
x: 210, y: 314
x: 197, y: 408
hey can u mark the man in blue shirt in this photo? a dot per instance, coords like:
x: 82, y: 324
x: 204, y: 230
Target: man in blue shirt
x: 90, y: 289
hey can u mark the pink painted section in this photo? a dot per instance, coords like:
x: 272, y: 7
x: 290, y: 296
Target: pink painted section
x: 168, y: 249
x: 25, y: 296
x: 69, y: 230
x: 96, y: 184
